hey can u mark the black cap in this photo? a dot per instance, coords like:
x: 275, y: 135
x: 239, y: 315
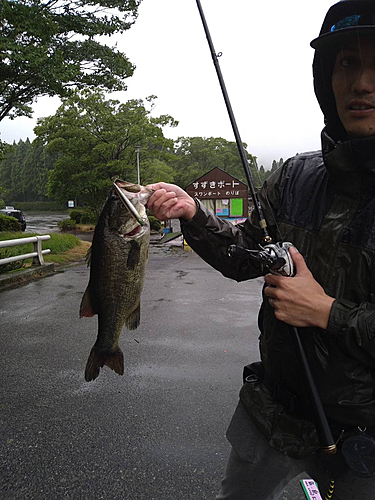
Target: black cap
x: 343, y: 20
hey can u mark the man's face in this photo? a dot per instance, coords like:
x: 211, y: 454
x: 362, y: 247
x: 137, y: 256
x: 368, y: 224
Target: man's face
x: 353, y: 83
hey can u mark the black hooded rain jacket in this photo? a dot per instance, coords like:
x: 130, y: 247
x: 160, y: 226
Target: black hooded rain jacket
x: 324, y: 203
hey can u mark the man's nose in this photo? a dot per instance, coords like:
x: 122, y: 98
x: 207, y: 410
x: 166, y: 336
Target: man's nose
x: 365, y: 81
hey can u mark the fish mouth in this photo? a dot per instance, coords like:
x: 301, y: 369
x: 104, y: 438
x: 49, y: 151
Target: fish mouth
x: 135, y: 231
x: 126, y: 190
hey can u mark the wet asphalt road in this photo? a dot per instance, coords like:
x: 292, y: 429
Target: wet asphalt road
x: 43, y: 222
x: 157, y: 433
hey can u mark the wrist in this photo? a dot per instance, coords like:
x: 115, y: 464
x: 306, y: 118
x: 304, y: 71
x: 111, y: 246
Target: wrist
x: 191, y: 208
x: 324, y: 312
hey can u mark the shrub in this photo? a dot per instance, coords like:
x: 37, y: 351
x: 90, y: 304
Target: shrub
x: 9, y: 223
x: 89, y: 218
x: 83, y: 217
x: 2, y: 203
x: 155, y: 224
x: 5, y: 268
x: 11, y: 251
x: 67, y: 225
x: 76, y: 215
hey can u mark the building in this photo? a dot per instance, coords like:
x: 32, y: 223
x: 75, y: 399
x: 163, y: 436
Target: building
x: 222, y: 194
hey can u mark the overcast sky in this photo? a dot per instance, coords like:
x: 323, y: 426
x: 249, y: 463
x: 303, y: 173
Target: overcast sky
x: 266, y: 64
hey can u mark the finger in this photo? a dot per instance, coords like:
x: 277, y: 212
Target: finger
x: 156, y: 199
x: 176, y: 211
x: 158, y: 185
x: 155, y: 196
x: 270, y: 291
x: 299, y: 261
x: 167, y: 207
x: 164, y: 201
x: 273, y: 279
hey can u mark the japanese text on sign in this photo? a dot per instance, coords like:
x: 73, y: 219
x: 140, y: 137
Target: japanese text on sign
x: 215, y: 184
x: 204, y: 194
x: 311, y: 489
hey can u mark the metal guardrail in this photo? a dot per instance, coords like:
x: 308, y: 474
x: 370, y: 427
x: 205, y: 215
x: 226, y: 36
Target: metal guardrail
x: 37, y: 255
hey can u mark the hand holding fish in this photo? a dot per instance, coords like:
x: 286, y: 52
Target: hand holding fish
x: 171, y: 202
x: 299, y: 301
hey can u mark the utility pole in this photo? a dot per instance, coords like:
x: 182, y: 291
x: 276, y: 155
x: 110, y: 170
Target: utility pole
x: 137, y: 149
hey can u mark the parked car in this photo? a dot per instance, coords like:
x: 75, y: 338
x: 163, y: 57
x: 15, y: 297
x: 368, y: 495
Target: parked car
x: 12, y: 212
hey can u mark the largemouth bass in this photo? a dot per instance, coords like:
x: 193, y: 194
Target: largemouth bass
x: 118, y: 259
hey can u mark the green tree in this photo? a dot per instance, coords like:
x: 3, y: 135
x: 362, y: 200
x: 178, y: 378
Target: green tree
x: 11, y: 169
x: 47, y: 47
x: 35, y: 172
x: 196, y: 155
x: 154, y: 170
x: 24, y: 171
x: 94, y: 140
x: 275, y: 166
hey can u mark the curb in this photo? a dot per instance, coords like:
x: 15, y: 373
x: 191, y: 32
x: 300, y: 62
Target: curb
x: 24, y: 276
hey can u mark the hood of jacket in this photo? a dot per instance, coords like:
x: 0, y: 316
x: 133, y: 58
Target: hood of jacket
x: 350, y: 163
x: 346, y: 18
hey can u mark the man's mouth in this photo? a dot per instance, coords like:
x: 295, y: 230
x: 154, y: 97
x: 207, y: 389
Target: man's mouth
x: 360, y: 106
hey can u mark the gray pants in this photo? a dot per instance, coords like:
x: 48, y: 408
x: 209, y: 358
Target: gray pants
x: 256, y: 471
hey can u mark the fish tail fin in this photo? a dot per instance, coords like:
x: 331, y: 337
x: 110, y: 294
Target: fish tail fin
x: 98, y: 358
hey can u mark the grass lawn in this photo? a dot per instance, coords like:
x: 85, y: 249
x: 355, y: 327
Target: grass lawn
x: 65, y: 248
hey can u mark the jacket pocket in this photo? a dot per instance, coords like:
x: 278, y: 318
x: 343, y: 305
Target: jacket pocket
x: 288, y: 433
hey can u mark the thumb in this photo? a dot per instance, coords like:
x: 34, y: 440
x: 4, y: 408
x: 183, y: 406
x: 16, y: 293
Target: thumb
x: 299, y: 261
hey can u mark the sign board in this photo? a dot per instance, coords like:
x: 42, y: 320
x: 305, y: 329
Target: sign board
x: 221, y: 187
x: 70, y: 204
x: 217, y: 184
x: 310, y: 489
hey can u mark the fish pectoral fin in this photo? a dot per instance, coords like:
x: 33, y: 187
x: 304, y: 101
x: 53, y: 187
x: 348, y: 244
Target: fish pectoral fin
x: 98, y: 358
x: 132, y: 321
x: 134, y: 255
x: 88, y: 257
x: 86, y: 310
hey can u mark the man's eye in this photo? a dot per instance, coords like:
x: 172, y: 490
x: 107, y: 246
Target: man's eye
x: 348, y: 62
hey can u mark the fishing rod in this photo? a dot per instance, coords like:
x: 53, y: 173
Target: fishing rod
x: 276, y: 258
x: 215, y: 57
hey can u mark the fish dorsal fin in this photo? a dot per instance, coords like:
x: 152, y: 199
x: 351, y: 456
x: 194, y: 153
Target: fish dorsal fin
x: 86, y: 310
x: 132, y: 321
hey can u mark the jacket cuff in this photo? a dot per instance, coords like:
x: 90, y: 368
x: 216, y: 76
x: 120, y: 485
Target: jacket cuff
x: 339, y: 316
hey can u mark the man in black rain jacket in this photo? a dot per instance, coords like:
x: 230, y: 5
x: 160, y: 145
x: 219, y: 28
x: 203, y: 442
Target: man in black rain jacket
x: 324, y: 203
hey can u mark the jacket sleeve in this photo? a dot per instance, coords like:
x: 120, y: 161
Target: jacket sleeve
x: 354, y: 326
x: 210, y: 237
